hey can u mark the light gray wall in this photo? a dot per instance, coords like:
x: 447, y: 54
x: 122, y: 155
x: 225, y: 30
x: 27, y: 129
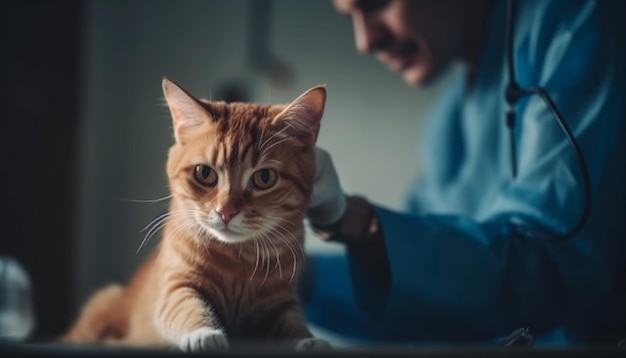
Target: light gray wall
x: 369, y: 126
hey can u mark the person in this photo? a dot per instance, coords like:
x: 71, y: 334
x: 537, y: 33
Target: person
x: 471, y: 259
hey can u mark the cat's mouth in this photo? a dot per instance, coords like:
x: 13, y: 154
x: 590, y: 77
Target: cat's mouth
x: 228, y: 234
x: 216, y: 228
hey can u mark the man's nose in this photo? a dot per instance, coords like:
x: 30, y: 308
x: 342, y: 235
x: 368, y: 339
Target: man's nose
x: 368, y: 34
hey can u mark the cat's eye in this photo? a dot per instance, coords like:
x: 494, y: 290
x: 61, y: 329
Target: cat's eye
x: 205, y: 175
x: 264, y: 179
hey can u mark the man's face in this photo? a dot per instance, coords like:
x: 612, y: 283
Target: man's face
x: 418, y: 38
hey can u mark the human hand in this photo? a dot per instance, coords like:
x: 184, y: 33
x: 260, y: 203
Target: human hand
x: 328, y: 202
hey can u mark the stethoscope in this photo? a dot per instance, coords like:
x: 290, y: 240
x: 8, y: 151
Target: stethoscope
x: 512, y: 94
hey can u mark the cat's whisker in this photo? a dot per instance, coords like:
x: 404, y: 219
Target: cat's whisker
x: 259, y: 255
x: 267, y: 266
x: 275, y: 144
x: 160, y: 217
x: 256, y: 263
x: 288, y: 244
x: 149, y: 235
x: 157, y: 225
x: 184, y: 218
x: 262, y: 253
x: 185, y: 215
x: 278, y: 265
x: 258, y: 146
x: 167, y: 215
x: 295, y: 259
x: 274, y: 135
x: 279, y: 220
x: 294, y: 240
x: 269, y: 244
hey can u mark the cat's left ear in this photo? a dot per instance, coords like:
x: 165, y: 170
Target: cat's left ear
x: 304, y: 114
x: 187, y: 111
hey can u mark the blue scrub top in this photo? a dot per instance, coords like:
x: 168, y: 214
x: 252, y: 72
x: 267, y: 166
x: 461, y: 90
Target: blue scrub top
x: 461, y: 267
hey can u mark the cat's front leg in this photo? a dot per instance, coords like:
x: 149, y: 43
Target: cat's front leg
x: 185, y: 319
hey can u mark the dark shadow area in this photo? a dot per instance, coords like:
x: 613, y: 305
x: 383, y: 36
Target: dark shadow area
x: 255, y: 351
x: 39, y: 86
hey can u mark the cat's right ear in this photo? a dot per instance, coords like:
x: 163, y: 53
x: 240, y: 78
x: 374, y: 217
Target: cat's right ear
x: 302, y: 116
x: 187, y: 112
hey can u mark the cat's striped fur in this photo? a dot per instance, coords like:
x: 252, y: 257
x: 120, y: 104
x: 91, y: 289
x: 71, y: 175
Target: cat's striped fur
x: 240, y: 177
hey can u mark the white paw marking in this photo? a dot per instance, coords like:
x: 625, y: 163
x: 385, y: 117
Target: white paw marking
x: 312, y: 344
x: 203, y: 339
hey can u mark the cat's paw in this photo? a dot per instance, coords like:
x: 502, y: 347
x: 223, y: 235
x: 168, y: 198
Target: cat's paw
x: 312, y: 344
x: 203, y: 339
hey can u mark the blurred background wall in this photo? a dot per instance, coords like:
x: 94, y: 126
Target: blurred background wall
x: 257, y: 50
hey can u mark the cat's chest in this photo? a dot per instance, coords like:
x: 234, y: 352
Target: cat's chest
x: 245, y: 301
x: 250, y: 275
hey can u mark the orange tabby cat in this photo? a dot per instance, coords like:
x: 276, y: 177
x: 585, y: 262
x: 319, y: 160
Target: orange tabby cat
x: 240, y: 175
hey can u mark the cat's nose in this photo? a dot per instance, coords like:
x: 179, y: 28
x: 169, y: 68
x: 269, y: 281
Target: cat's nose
x: 227, y: 213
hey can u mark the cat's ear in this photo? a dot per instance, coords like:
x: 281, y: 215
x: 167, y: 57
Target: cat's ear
x: 303, y: 115
x: 187, y: 112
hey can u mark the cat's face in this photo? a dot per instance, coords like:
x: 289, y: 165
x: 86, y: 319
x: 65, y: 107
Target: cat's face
x: 242, y: 171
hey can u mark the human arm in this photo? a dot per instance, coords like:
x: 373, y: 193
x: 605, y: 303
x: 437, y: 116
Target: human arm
x: 474, y: 274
